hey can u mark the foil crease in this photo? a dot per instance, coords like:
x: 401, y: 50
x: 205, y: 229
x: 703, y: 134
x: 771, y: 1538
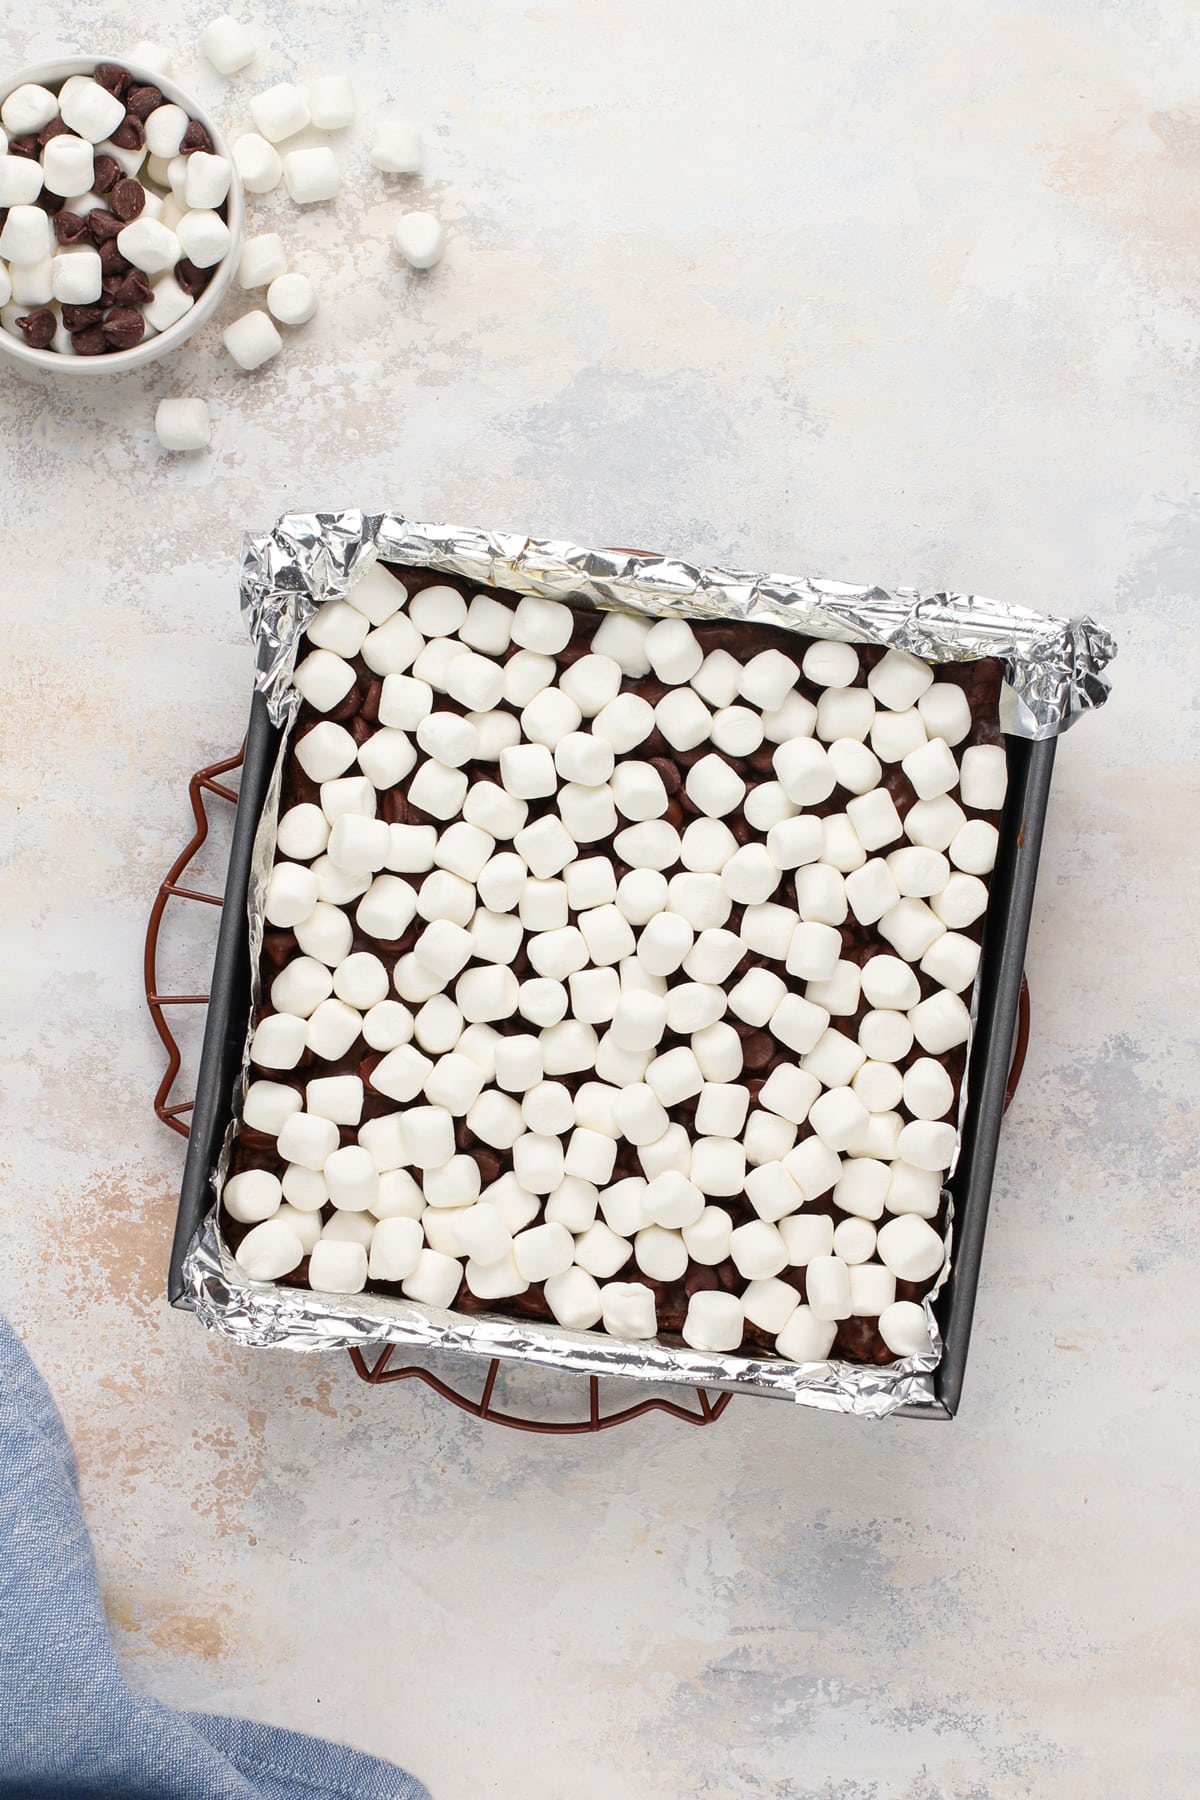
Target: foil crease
x: 1055, y: 671
x: 1055, y: 667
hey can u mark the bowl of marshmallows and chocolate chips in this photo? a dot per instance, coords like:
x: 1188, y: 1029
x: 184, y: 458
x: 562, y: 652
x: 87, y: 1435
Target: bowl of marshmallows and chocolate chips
x: 120, y: 216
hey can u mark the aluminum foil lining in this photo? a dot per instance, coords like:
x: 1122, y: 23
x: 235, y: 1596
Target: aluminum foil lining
x: 1055, y: 667
x: 1055, y: 670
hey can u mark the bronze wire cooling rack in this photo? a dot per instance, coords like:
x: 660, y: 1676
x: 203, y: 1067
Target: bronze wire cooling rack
x: 379, y: 1373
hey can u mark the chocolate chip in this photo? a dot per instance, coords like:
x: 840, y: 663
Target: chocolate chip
x: 142, y: 101
x: 127, y: 199
x: 69, y: 227
x: 106, y: 173
x: 191, y: 279
x: 26, y: 146
x: 56, y: 128
x: 103, y: 225
x: 50, y: 203
x: 135, y: 290
x: 78, y: 318
x: 124, y: 327
x: 39, y: 327
x: 110, y: 286
x: 113, y: 77
x: 130, y: 133
x: 111, y: 260
x: 91, y: 342
x: 194, y: 138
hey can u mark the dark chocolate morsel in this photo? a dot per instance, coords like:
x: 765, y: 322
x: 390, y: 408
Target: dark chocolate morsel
x: 113, y: 77
x: 56, y: 128
x: 124, y: 327
x: 70, y: 227
x: 191, y: 279
x: 111, y: 260
x: 127, y: 199
x: 194, y: 138
x: 104, y: 226
x: 105, y: 174
x: 50, y: 203
x: 135, y: 290
x: 110, y: 287
x: 78, y: 318
x: 142, y: 101
x: 24, y: 146
x: 90, y: 342
x: 39, y: 327
x: 130, y: 133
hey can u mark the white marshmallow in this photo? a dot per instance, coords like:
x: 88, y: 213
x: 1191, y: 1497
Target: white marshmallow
x: 806, y: 1236
x: 983, y: 781
x: 26, y: 241
x: 527, y: 771
x: 639, y: 1114
x: 326, y: 751
x: 797, y: 717
x: 361, y: 980
x: 961, y: 901
x: 291, y: 894
x: 573, y: 1204
x: 591, y: 1154
x: 279, y: 1041
x: 827, y: 1288
x: 888, y: 982
x: 718, y: 1167
x: 21, y: 176
x: 854, y: 1241
x: 952, y: 960
x: 387, y: 1025
x: 28, y: 108
x: 543, y: 905
x: 974, y: 847
x: 789, y: 1092
x: 879, y: 1085
x: 335, y: 1097
x: 92, y: 111
x: 569, y: 1047
x: 311, y: 176
x: 660, y: 1254
x: 396, y: 148
x: 872, y: 1289
x: 292, y: 299
x: 386, y: 758
x: 672, y: 1200
x: 664, y: 942
x: 396, y: 1246
x: 331, y: 102
x: 308, y: 1140
x: 837, y: 1116
x: 352, y: 1179
x: 862, y: 1187
x: 252, y: 1196
x: 594, y: 995
x: 896, y: 735
x: 672, y: 650
x: 675, y: 1076
x: 839, y: 993
x: 767, y: 1136
x: 583, y: 759
x: 799, y: 1024
x: 487, y: 626
x: 75, y: 277
x: 931, y: 769
x: 475, y: 681
x: 168, y: 306
x: 713, y: 787
x: 898, y: 680
x: 622, y: 636
x: 804, y: 771
x: 394, y: 646
x: 463, y: 849
x: 420, y: 239
x: 502, y: 881
x: 591, y: 885
x: 405, y: 702
x: 641, y: 894
x: 945, y: 711
x: 769, y: 1304
x: 546, y: 846
x: 269, y: 1251
x: 527, y: 674
x: 486, y: 994
x: 387, y: 908
x: 279, y: 112
x: 301, y: 986
x: 651, y: 844
x: 574, y: 1298
x: 358, y: 843
x: 446, y: 896
x: 928, y: 1090
x: 547, y: 1108
x: 622, y: 1206
x: 227, y: 45
x: 831, y: 665
x: 692, y: 1006
x: 885, y: 1036
x: 934, y: 823
x: 685, y: 721
x: 673, y: 1150
x: 844, y: 717
x: 448, y: 738
x: 181, y: 424
x: 639, y: 1021
x: 496, y: 937
x: 706, y: 846
x: 910, y: 1248
x: 714, y: 1322
x: 713, y: 956
x: 718, y: 1052
x: 840, y: 847
x: 768, y: 678
x: 756, y: 996
x: 67, y: 166
x: 734, y: 729
x: 881, y: 1137
x: 625, y: 722
x: 592, y: 682
x: 750, y: 876
x: 758, y: 1251
x: 628, y: 1310
x: 437, y: 1028
x: 435, y: 1280
x: 601, y: 1251
x: 917, y: 871
x: 940, y: 1023
x: 262, y: 259
x: 588, y: 813
x: 436, y: 788
x: 910, y: 928
x: 813, y: 951
x: 814, y: 1167
x: 260, y: 167
x: 874, y: 818
x: 208, y: 180
x: 325, y: 934
x: 904, y: 1329
x: 638, y: 791
x: 805, y: 1338
x: 543, y: 1250
x: 717, y: 679
x: 332, y: 1028
x: 927, y: 1144
x: 251, y: 340
x: 549, y: 717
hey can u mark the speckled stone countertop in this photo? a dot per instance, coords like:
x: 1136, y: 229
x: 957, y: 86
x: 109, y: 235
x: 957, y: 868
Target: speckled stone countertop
x: 904, y: 293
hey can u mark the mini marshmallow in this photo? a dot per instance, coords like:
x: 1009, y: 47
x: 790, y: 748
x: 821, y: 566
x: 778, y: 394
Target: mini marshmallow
x: 718, y: 1052
x: 622, y: 1206
x: 76, y: 277
x: 308, y: 1140
x: 463, y: 849
x: 664, y: 942
x: 651, y: 844
x: 588, y: 813
x: 910, y: 927
x: 181, y: 424
x: 713, y: 956
x: 496, y: 937
x: 926, y: 1144
x: 386, y: 909
x: 526, y: 675
x: 837, y: 1116
x: 712, y: 786
x: 326, y: 751
x: 758, y: 1251
x: 692, y: 1006
x: 772, y: 1192
x: 435, y: 1280
x: 402, y: 1073
x: 583, y: 759
x: 292, y: 299
x: 396, y: 1246
x: 673, y: 1150
x: 438, y: 1027
x: 387, y: 1025
x: 502, y: 881
x: 487, y: 994
x: 547, y: 1109
x: 952, y: 960
x: 814, y: 1167
x: 844, y: 717
x: 840, y: 847
x: 438, y: 789
x: 910, y: 1248
x: 527, y: 771
x: 251, y: 340
x: 813, y: 950
x: 933, y: 824
x: 769, y: 1304
x: 573, y: 1204
x: 767, y: 679
x: 831, y: 665
x: 706, y: 846
x: 854, y: 1240
x: 940, y: 1023
x: 974, y: 847
x: 569, y: 1047
x: 227, y: 45
x: 336, y: 1097
x: 717, y: 679
x: 331, y: 102
x: 496, y: 1120
x: 420, y: 239
x: 29, y: 107
x: 291, y: 894
x: 252, y: 1196
x: 601, y: 1251
x: 557, y: 954
x: 905, y: 1329
x: 639, y: 1021
x: 917, y: 871
x: 392, y: 647
x: 945, y: 711
x: 594, y: 995
x: 27, y: 239
x: 332, y: 1028
x: 768, y: 1137
x: 756, y: 996
x: 840, y: 992
x: 872, y: 1289
x: 448, y: 738
x: 169, y: 304
x: 913, y: 1189
x: 386, y: 758
x: 574, y: 1298
x: 714, y: 1322
x: 360, y: 980
x: 797, y: 717
x: 325, y: 934
x: 279, y: 112
x: 270, y: 1250
x: 799, y: 1024
x: 931, y: 769
x: 546, y: 847
x: 487, y: 626
x: 358, y: 843
x: 641, y: 894
x: 445, y: 948
x: 804, y: 771
x: 92, y: 111
x: 827, y: 1287
x: 734, y: 729
x: 885, y: 1036
x: 301, y: 986
x: 862, y: 1187
x: 625, y: 722
x: 750, y: 876
x: 675, y: 1076
x: 896, y: 735
x: 672, y: 1200
x: 208, y: 181
x: 67, y: 166
x: 590, y: 1154
x: 260, y: 167
x: 806, y: 1338
x: 898, y: 680
x: 476, y: 682
x: 961, y: 901
x: 628, y: 1310
x: 592, y: 682
x: 805, y: 1237
x: 165, y: 127
x: 311, y: 175
x: 638, y: 791
x: 482, y: 1233
x: 789, y: 1092
x: 543, y: 1250
x: 879, y: 1085
x: 396, y: 148
x: 888, y: 982
x: 673, y: 651
x: 880, y: 1138
x: 21, y: 176
x: 543, y: 905
x: 983, y: 782
x: 660, y: 1254
x: 352, y: 1179
x: 875, y: 819
x: 278, y: 1041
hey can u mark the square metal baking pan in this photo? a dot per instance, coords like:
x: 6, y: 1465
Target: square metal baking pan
x: 1030, y: 765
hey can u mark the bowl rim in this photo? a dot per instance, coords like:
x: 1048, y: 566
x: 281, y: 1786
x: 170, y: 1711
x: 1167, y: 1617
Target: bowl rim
x: 53, y: 73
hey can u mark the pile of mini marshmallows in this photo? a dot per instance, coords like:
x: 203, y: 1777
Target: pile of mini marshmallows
x: 618, y: 963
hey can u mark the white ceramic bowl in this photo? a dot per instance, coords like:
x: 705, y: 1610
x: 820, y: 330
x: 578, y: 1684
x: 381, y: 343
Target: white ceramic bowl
x: 117, y: 362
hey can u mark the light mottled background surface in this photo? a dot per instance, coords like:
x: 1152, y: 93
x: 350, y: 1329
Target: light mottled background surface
x: 903, y: 291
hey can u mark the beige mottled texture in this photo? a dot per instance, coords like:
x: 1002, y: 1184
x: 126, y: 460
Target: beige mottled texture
x: 902, y: 291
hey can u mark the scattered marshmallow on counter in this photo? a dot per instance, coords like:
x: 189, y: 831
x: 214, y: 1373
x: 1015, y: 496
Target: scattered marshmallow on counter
x: 311, y: 175
x: 292, y: 299
x: 228, y: 45
x: 252, y: 340
x: 182, y: 424
x: 420, y: 239
x: 279, y: 112
x: 331, y: 102
x: 257, y: 162
x: 396, y: 148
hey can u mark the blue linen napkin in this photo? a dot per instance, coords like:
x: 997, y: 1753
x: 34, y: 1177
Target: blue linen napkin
x: 69, y: 1722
